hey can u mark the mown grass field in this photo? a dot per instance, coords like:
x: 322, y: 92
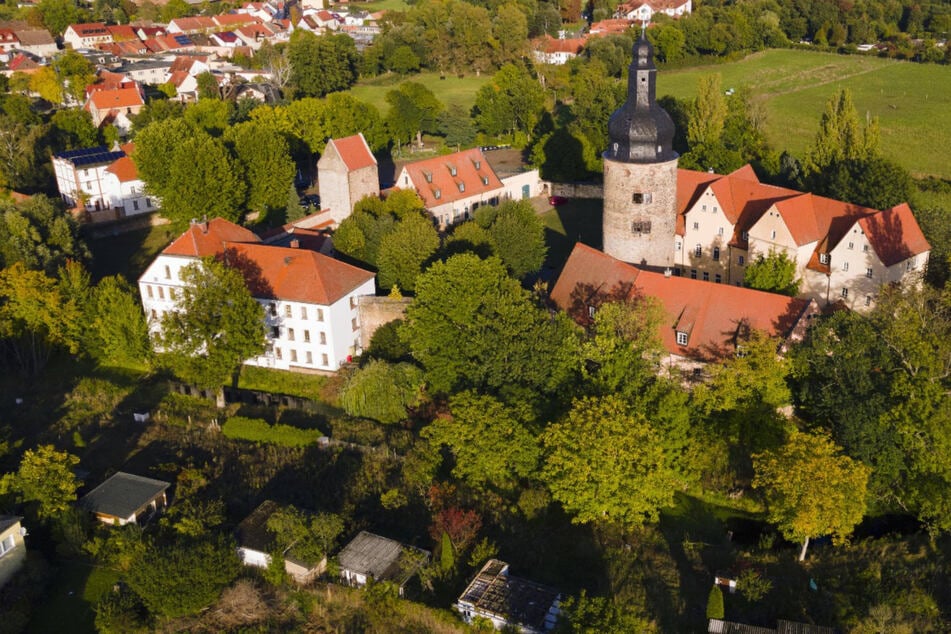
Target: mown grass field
x: 911, y: 101
x: 452, y: 90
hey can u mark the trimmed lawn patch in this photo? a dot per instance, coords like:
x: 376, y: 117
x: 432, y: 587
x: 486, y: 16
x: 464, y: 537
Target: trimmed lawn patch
x: 578, y: 220
x: 450, y: 90
x: 128, y: 254
x: 282, y: 382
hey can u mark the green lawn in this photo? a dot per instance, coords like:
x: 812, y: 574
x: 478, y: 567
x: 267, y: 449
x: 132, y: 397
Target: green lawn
x: 452, y: 90
x: 129, y: 253
x: 575, y: 221
x: 373, y: 7
x: 911, y: 101
x: 71, y: 602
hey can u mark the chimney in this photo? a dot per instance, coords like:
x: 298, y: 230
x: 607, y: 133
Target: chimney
x: 204, y: 224
x: 295, y: 243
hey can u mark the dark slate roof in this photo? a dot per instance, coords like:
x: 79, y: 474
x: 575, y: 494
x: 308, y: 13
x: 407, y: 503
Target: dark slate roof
x: 6, y: 521
x: 518, y: 601
x: 123, y: 494
x: 375, y: 556
x: 91, y: 155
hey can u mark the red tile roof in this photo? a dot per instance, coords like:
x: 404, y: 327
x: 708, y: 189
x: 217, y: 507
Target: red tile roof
x: 90, y: 29
x: 117, y: 98
x: 354, y: 151
x: 122, y: 32
x: 712, y: 315
x: 194, y: 25
x: 234, y: 19
x: 206, y: 239
x: 124, y: 169
x: 299, y: 275
x: 894, y: 234
x: 434, y: 175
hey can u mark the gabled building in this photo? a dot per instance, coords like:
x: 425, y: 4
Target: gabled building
x: 453, y: 186
x: 310, y: 299
x: 36, y: 41
x: 508, y: 601
x: 348, y: 172
x: 256, y: 543
x: 87, y: 35
x: 643, y: 10
x: 370, y: 557
x: 703, y: 322
x: 12, y: 547
x: 125, y: 498
x: 115, y: 106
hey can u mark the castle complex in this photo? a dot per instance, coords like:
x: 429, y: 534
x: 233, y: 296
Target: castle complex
x: 709, y: 227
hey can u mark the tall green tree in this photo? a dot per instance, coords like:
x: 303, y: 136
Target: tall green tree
x: 215, y: 326
x: 117, y: 330
x: 383, y: 391
x: 606, y: 465
x: 414, y: 109
x: 267, y: 164
x: 490, y: 445
x: 38, y: 233
x: 405, y: 251
x: 708, y: 112
x: 474, y: 327
x: 45, y: 478
x: 511, y: 102
x: 841, y: 137
x: 76, y: 72
x: 774, y: 272
x: 74, y: 129
x: 518, y: 235
x: 811, y: 488
x: 321, y: 64
x: 308, y: 537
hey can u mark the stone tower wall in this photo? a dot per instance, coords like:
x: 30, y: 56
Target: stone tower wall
x: 641, y: 233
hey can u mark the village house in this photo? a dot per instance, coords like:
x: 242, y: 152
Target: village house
x: 508, y: 601
x: 310, y: 300
x: 256, y: 543
x: 844, y: 253
x: 643, y: 11
x: 550, y: 50
x: 12, y: 547
x: 703, y: 322
x: 36, y: 41
x: 115, y: 107
x: 370, y: 557
x: 125, y: 498
x: 87, y: 35
x: 348, y: 172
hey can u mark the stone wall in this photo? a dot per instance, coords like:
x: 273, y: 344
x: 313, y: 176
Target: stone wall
x: 576, y: 190
x: 376, y: 311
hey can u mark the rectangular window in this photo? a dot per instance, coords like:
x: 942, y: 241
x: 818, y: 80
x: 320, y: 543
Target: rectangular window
x: 275, y: 332
x: 353, y: 323
x: 823, y: 258
x: 851, y: 245
x: 641, y: 226
x: 324, y: 361
x: 293, y: 356
x: 290, y: 334
x: 681, y: 338
x: 868, y: 300
x: 865, y: 248
x: 7, y: 544
x: 696, y: 225
x: 148, y: 291
x: 310, y: 358
x: 353, y: 302
x: 171, y: 293
x: 161, y: 293
x: 693, y: 274
x: 868, y: 272
x: 273, y: 308
x: 772, y: 235
x: 277, y: 353
x: 716, y: 253
x: 320, y: 314
x: 148, y: 203
x: 714, y: 209
x: 306, y: 336
x: 745, y: 235
x: 845, y: 266
x: 303, y: 312
x: 135, y: 205
x: 704, y: 207
x: 168, y: 272
x: 845, y: 292
x: 698, y: 250
x: 717, y: 278
x: 323, y: 338
x: 287, y: 311
x: 740, y: 260
x: 642, y: 198
x: 720, y: 231
x: 706, y: 276
x: 677, y: 245
x: 154, y: 314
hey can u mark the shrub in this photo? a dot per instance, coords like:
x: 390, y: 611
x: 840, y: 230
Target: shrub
x: 715, y: 603
x: 257, y: 430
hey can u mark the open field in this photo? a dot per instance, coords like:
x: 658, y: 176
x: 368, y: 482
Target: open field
x: 912, y: 101
x: 452, y: 90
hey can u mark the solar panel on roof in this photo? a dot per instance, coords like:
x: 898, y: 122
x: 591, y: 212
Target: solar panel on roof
x: 184, y: 40
x: 80, y: 152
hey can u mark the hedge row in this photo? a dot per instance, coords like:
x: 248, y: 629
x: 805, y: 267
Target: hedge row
x: 257, y: 430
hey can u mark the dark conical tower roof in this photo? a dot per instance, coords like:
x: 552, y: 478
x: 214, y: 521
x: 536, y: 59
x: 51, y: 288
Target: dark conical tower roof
x: 641, y: 131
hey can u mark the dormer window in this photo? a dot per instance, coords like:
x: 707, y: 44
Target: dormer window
x: 437, y: 194
x: 681, y: 338
x: 428, y: 176
x: 823, y: 258
x: 485, y: 180
x: 478, y: 164
x: 462, y: 186
x: 745, y: 235
x: 452, y: 170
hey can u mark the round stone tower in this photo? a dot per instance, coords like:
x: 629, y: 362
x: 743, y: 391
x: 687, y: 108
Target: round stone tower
x: 640, y: 172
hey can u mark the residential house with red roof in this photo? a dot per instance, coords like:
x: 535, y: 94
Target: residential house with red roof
x: 703, y: 322
x: 843, y: 252
x: 310, y: 300
x: 348, y: 172
x: 187, y: 26
x: 608, y: 27
x: 550, y: 50
x: 453, y: 186
x: 115, y: 106
x: 87, y: 35
x: 102, y: 183
x: 8, y: 40
x: 643, y: 10
x: 36, y: 41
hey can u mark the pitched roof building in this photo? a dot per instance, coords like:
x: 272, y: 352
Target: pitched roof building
x: 703, y: 323
x: 86, y: 35
x: 311, y: 300
x: 506, y: 600
x: 125, y: 498
x: 372, y: 557
x: 348, y: 172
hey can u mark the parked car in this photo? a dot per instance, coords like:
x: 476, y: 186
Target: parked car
x: 554, y: 201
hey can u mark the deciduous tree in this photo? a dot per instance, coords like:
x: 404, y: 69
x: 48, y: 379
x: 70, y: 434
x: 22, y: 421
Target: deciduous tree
x: 518, y: 235
x: 774, y: 273
x: 811, y: 488
x: 117, y: 330
x: 45, y: 477
x: 404, y: 252
x: 266, y: 162
x: 39, y: 234
x: 414, y: 109
x: 383, y: 391
x: 510, y: 102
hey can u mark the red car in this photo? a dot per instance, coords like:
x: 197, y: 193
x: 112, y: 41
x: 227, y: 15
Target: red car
x: 554, y: 201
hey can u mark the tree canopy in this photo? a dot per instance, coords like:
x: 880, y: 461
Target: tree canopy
x: 774, y: 272
x: 45, y: 478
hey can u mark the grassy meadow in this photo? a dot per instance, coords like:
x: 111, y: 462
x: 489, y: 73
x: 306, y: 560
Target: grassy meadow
x: 911, y: 101
x: 452, y: 90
